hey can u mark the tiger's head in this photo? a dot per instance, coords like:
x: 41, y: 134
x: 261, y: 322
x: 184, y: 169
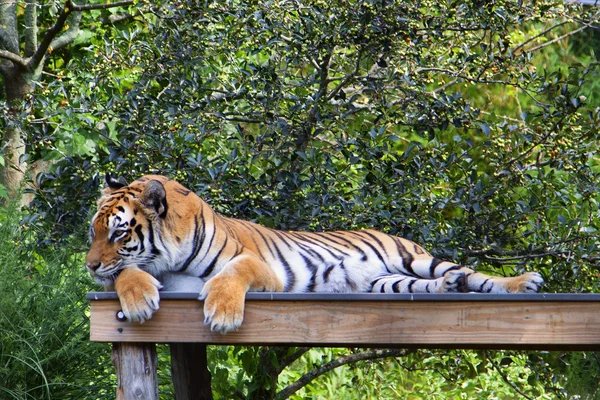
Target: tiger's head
x: 128, y: 228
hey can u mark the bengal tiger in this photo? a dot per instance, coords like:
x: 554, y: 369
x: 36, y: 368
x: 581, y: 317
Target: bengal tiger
x: 154, y: 233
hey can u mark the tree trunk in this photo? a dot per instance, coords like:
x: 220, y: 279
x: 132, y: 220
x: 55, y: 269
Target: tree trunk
x: 12, y: 175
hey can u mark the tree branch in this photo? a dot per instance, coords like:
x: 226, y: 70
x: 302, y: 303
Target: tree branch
x: 349, y: 359
x: 513, y: 51
x: 70, y: 35
x: 347, y: 78
x: 36, y: 59
x: 558, y: 39
x: 499, y: 255
x: 504, y: 377
x: 31, y: 28
x: 106, y: 6
x: 15, y: 58
x: 288, y: 360
x: 50, y: 35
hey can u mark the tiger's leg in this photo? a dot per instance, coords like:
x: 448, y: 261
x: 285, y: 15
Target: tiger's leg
x: 396, y: 283
x: 529, y: 282
x: 138, y: 293
x: 224, y: 294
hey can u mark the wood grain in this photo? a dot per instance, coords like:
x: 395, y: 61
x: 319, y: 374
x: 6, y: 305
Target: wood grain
x: 135, y: 365
x: 443, y: 324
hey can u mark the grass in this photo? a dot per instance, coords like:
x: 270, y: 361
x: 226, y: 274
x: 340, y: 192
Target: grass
x: 45, y: 351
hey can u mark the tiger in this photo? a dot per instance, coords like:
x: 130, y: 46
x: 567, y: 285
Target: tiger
x: 155, y: 234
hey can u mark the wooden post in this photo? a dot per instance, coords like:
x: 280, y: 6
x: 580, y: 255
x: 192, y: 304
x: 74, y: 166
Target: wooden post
x: 135, y: 364
x: 189, y: 371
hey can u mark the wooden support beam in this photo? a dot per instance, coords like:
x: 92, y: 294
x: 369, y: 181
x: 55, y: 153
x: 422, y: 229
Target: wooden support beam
x: 189, y: 371
x: 135, y: 365
x: 473, y: 320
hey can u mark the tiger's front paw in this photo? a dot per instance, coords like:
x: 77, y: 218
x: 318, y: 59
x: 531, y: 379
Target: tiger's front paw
x: 138, y: 294
x: 223, y: 303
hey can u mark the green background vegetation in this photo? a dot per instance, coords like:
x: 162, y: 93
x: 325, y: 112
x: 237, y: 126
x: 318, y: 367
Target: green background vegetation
x: 465, y: 126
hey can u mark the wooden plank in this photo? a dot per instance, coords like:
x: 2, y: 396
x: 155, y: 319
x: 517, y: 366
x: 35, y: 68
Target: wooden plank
x: 572, y: 325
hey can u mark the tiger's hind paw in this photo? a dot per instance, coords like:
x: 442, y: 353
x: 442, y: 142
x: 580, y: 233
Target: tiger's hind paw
x: 529, y: 282
x: 455, y: 282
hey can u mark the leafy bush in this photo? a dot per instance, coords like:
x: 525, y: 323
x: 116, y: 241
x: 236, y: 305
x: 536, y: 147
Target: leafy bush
x: 44, y: 324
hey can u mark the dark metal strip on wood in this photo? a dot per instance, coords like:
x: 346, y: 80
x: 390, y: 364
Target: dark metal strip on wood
x: 417, y: 297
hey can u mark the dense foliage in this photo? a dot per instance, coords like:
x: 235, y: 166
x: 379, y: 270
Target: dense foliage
x: 44, y: 330
x: 461, y: 125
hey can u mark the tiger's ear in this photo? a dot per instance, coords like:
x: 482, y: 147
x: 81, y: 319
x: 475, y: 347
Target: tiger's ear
x: 113, y: 184
x: 154, y: 197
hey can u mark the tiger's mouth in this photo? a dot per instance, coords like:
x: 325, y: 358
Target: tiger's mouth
x: 107, y: 275
x: 107, y: 280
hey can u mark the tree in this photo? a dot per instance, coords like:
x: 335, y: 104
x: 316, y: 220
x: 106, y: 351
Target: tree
x: 455, y: 124
x: 23, y: 54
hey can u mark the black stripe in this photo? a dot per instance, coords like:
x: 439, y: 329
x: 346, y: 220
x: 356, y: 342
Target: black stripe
x: 183, y: 192
x: 374, y: 282
x: 434, y: 263
x: 325, y: 237
x: 377, y: 253
x: 395, y: 286
x: 281, y: 237
x: 154, y: 250
x: 327, y: 272
x: 373, y: 247
x: 138, y: 230
x: 352, y: 245
x: 212, y: 264
x: 320, y: 244
x: 304, y: 246
x: 483, y: 284
x: 196, y: 243
x: 451, y: 268
x: 264, y: 238
x: 248, y: 225
x: 376, y: 241
x: 313, y: 269
x: 407, y: 258
x: 410, y: 285
x: 203, y: 238
x: 291, y: 276
x: 382, y: 290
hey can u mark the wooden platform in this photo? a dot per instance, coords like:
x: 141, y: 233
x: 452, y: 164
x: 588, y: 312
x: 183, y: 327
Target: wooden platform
x: 473, y: 320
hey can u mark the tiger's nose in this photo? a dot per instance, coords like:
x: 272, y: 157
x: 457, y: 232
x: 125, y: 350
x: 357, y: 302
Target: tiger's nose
x: 93, y: 266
